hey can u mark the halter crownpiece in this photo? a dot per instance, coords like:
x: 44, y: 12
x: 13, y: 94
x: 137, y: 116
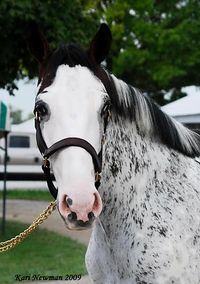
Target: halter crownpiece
x: 65, y: 143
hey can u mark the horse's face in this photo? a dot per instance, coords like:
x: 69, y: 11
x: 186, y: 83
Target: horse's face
x: 74, y: 106
x: 71, y: 104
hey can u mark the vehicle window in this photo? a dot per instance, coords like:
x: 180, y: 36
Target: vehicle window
x: 19, y: 141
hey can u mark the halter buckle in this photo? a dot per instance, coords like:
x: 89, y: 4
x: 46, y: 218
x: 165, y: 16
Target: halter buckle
x: 37, y: 117
x: 97, y: 176
x: 46, y: 163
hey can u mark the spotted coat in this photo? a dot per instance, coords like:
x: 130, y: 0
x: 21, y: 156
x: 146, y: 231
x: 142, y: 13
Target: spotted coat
x: 149, y: 230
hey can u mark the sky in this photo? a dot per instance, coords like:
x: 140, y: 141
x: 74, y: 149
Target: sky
x: 25, y: 97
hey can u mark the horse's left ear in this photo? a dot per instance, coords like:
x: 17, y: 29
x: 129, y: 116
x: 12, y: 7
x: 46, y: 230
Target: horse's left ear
x: 100, y: 45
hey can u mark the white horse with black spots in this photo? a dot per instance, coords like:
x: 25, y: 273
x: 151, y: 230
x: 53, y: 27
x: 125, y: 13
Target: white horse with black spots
x: 146, y: 212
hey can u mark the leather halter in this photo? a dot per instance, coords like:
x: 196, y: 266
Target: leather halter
x: 65, y: 143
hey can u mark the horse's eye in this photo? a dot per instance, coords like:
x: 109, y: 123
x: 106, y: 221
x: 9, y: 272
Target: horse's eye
x: 106, y: 109
x: 41, y: 108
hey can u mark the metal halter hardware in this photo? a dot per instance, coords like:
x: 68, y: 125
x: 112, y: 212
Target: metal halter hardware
x: 65, y: 143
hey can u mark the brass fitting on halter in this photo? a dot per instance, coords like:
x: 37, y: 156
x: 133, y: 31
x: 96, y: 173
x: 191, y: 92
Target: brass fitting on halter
x: 97, y: 177
x: 46, y: 163
x: 37, y: 117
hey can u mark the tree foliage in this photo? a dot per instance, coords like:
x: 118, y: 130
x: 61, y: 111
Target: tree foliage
x: 16, y: 116
x: 61, y: 21
x: 156, y: 44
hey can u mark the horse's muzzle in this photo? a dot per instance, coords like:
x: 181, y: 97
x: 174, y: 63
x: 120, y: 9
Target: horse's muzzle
x: 79, y: 213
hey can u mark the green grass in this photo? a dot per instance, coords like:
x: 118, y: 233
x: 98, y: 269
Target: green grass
x: 43, y: 252
x: 28, y: 194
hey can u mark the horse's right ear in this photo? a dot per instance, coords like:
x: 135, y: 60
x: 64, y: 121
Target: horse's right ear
x: 37, y: 42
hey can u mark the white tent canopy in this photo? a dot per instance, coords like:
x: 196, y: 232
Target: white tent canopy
x: 26, y: 126
x: 185, y: 110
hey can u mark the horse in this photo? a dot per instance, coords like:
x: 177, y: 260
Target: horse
x: 145, y: 211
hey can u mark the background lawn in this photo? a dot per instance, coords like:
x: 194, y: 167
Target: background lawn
x: 43, y: 252
x: 28, y: 194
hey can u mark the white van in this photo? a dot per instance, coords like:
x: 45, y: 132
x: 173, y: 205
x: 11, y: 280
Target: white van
x: 22, y: 147
x: 23, y: 156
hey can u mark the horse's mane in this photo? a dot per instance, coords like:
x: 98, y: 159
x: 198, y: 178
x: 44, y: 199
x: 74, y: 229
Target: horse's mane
x: 129, y: 103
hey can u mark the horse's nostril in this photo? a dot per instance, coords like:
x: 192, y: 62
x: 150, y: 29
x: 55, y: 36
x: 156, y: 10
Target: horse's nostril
x: 72, y: 216
x: 69, y: 202
x: 91, y: 216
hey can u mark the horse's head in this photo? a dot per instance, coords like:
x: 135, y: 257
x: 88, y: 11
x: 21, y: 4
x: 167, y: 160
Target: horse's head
x: 72, y: 102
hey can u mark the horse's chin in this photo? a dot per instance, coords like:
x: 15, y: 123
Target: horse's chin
x: 77, y: 227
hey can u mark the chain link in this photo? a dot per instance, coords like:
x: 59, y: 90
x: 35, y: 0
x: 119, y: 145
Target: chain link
x: 9, y: 244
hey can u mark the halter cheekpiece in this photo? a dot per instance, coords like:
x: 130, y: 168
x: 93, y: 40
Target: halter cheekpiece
x: 65, y: 143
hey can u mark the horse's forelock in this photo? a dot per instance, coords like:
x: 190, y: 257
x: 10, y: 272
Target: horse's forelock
x: 70, y: 55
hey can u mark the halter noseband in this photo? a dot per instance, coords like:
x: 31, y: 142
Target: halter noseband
x: 65, y: 143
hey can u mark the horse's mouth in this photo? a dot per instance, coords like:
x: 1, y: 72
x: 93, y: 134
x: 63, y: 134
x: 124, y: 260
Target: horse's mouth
x: 79, y: 225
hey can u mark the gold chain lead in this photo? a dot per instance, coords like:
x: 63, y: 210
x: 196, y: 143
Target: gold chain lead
x: 9, y: 244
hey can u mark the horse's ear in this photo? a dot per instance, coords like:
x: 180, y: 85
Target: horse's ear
x: 37, y: 42
x: 100, y: 45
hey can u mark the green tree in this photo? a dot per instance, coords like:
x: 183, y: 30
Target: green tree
x: 16, y: 116
x: 156, y: 44
x: 62, y: 21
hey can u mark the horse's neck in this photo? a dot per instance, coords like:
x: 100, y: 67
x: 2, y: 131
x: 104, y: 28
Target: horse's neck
x: 130, y: 155
x: 133, y: 163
